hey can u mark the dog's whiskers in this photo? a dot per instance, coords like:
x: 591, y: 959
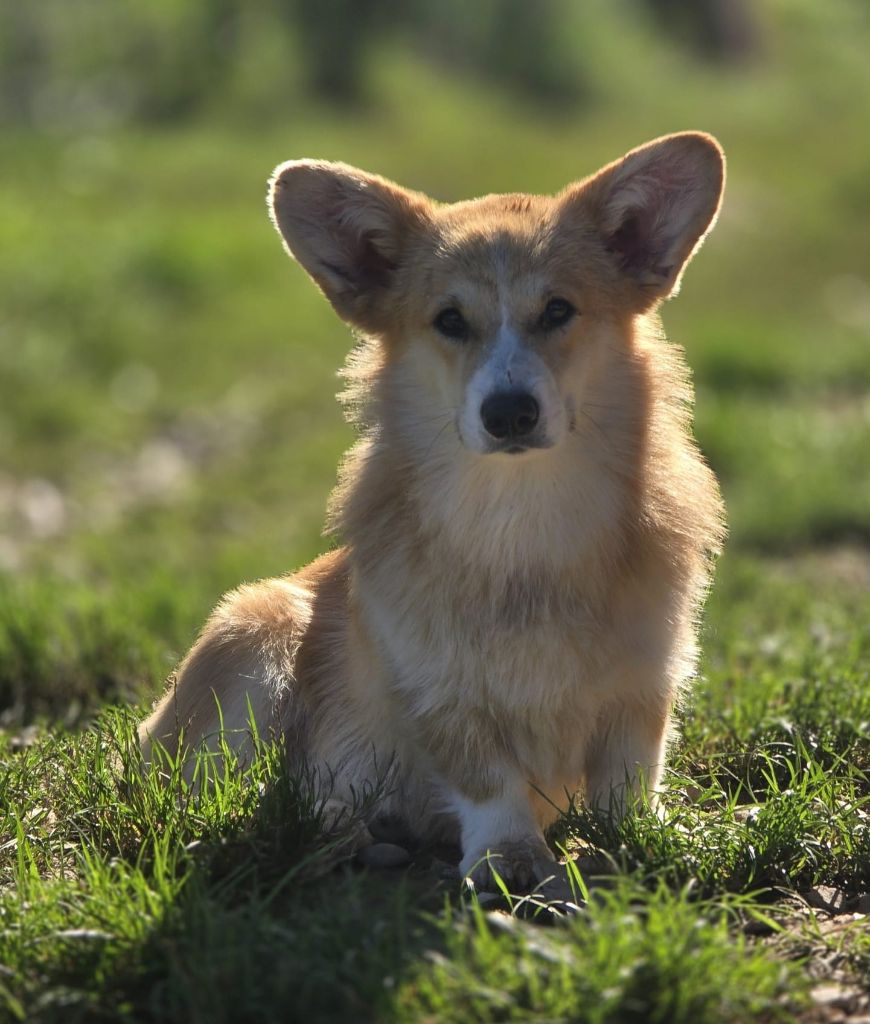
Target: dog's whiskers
x: 448, y: 420
x: 601, y: 432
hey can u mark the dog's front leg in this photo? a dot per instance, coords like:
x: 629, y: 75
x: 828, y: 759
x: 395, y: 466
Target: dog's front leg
x: 626, y: 758
x: 500, y: 835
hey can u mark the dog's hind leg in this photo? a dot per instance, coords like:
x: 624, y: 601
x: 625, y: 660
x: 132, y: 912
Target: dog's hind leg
x: 239, y: 677
x: 272, y: 661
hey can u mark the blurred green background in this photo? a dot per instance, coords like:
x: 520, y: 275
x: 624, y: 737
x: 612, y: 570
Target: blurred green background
x: 167, y: 427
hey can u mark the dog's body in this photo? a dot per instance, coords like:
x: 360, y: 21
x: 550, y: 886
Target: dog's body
x: 528, y: 524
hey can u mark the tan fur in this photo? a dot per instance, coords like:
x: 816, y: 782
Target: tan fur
x: 500, y: 632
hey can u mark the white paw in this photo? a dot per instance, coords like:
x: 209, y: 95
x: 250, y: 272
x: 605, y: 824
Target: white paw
x: 520, y: 864
x: 339, y: 820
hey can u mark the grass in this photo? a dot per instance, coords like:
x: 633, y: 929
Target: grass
x: 134, y: 901
x: 167, y: 430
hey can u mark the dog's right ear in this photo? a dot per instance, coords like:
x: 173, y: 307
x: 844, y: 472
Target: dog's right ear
x: 653, y: 208
x: 350, y: 231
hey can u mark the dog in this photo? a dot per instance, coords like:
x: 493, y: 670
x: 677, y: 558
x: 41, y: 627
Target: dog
x: 528, y: 526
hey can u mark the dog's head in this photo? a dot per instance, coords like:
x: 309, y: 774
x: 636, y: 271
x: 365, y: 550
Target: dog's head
x: 497, y: 308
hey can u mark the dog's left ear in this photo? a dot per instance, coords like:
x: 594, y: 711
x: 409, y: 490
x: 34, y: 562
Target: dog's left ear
x: 653, y: 208
x: 350, y: 231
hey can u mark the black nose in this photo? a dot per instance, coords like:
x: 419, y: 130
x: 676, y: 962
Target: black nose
x: 509, y: 414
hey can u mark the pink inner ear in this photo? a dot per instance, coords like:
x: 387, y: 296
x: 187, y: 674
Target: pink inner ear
x: 373, y: 268
x: 363, y: 266
x: 628, y: 242
x: 634, y: 242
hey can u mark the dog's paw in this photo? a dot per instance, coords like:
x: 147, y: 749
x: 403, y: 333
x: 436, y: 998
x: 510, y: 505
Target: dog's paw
x: 519, y: 864
x: 339, y: 821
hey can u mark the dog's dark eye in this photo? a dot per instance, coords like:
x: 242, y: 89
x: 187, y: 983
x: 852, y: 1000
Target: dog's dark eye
x: 452, y: 324
x: 556, y: 313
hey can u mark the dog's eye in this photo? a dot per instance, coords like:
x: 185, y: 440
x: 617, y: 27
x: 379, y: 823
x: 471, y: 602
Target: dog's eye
x: 452, y: 324
x: 556, y: 313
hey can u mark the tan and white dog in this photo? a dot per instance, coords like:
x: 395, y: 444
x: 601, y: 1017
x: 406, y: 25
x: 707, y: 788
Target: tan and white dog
x: 527, y: 522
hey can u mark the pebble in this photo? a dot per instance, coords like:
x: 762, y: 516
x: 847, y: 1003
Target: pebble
x: 832, y: 994
x: 26, y: 738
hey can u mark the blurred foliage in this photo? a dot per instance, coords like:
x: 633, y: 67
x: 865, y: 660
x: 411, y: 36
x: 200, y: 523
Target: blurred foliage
x: 167, y: 427
x: 725, y: 30
x: 167, y: 59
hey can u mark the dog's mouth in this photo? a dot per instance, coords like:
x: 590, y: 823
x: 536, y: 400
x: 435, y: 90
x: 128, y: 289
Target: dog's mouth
x: 514, y: 447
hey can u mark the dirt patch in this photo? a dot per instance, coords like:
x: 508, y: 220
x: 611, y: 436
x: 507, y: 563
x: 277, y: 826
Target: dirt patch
x: 828, y: 928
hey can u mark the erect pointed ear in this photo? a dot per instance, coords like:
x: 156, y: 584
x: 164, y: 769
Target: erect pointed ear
x: 653, y: 208
x: 350, y: 231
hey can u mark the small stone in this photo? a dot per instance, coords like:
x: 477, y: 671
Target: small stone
x: 760, y: 928
x: 834, y: 995
x: 26, y: 738
x: 824, y: 897
x: 500, y: 920
x: 383, y: 855
x: 748, y: 814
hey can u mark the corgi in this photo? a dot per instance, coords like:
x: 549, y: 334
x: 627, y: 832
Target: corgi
x: 527, y: 524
